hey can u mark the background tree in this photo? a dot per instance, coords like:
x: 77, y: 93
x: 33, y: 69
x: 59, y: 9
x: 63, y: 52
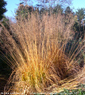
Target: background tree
x: 80, y: 14
x: 2, y: 8
x: 78, y: 26
x: 23, y: 11
x: 5, y: 22
x: 43, y: 11
x: 68, y: 15
x: 58, y: 9
x: 68, y: 10
x: 54, y: 2
x: 49, y: 3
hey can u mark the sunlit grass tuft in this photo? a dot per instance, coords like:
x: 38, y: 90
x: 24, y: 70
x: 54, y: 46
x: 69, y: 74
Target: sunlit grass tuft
x: 37, y: 49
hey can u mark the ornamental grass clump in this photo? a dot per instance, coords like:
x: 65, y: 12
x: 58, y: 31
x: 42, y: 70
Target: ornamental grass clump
x: 37, y: 55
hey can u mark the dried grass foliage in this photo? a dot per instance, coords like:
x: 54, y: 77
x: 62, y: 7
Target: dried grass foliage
x: 38, y: 59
